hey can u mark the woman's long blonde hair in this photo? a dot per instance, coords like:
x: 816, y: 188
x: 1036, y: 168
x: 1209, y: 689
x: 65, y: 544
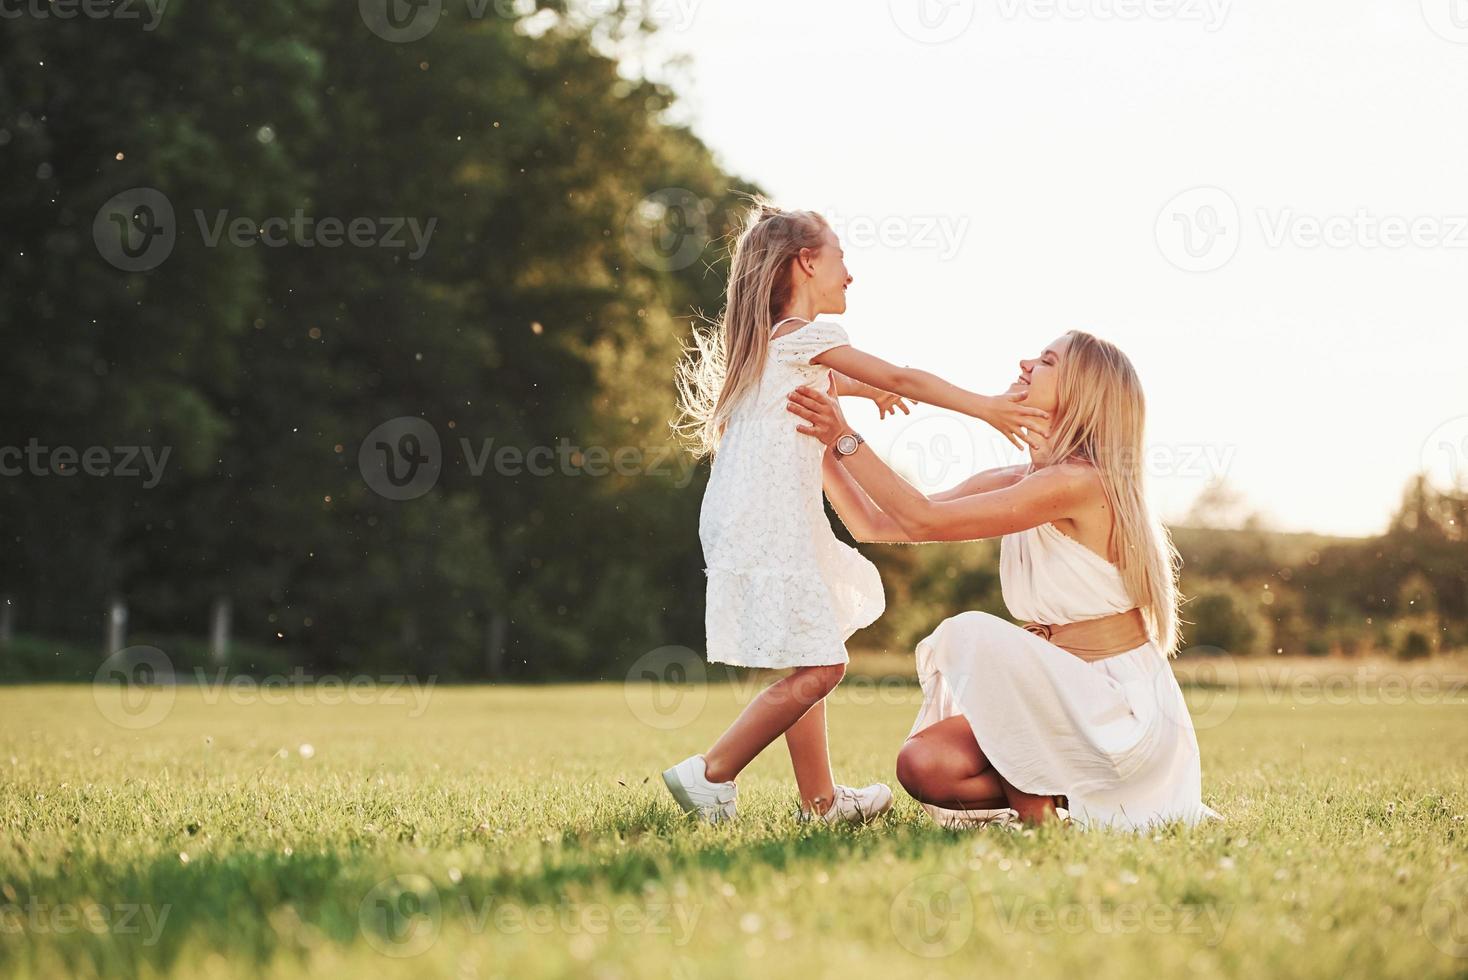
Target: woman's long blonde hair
x: 726, y: 359
x: 1101, y: 418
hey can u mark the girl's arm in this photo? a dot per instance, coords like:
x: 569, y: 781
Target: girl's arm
x: 1047, y: 495
x: 1002, y: 412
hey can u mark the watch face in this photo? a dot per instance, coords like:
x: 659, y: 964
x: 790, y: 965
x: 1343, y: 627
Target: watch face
x: 846, y: 445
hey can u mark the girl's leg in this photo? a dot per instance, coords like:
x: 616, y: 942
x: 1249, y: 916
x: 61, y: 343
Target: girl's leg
x: 777, y: 708
x: 806, y: 740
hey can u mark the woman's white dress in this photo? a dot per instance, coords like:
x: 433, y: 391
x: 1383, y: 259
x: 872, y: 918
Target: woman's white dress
x: 1114, y: 736
x: 782, y: 590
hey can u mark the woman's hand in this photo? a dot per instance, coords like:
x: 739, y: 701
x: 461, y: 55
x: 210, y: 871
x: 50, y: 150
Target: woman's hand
x: 1017, y: 423
x: 821, y: 411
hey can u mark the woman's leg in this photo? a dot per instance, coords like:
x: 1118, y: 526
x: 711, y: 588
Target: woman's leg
x: 774, y: 712
x: 806, y: 740
x: 943, y: 765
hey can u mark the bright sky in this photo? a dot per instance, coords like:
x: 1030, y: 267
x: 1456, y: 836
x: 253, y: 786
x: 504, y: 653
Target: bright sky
x: 1026, y: 157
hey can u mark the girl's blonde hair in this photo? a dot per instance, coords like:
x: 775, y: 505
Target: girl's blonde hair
x: 1100, y: 417
x: 725, y: 361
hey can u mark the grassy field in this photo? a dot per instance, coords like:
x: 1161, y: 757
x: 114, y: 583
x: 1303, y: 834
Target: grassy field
x: 523, y: 832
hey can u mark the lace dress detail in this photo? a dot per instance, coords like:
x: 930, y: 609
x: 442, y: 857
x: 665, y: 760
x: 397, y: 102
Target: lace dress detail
x: 782, y: 590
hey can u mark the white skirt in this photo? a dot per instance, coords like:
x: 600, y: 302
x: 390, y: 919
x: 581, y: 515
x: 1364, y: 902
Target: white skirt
x: 1114, y: 736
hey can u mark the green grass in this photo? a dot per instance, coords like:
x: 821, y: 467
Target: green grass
x: 523, y: 832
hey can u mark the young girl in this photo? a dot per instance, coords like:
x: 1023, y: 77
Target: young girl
x: 782, y: 591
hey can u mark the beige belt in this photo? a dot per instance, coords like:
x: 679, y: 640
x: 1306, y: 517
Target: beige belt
x: 1097, y: 639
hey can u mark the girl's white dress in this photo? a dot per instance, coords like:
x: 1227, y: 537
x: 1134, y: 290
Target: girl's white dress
x: 1114, y: 736
x: 782, y: 590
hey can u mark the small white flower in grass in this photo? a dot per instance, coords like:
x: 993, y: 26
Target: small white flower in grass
x: 1226, y: 863
x: 183, y: 857
x: 307, y: 750
x: 455, y: 875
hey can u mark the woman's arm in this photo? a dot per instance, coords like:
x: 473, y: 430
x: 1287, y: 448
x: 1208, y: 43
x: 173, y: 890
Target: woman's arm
x: 1002, y: 412
x: 1047, y: 495
x: 996, y: 479
x: 866, y: 521
x: 862, y: 518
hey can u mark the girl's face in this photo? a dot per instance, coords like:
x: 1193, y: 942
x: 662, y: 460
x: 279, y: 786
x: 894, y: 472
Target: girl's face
x: 825, y: 277
x: 1039, y: 377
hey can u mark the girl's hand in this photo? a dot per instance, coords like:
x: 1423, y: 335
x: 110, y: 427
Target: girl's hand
x: 887, y: 402
x: 1019, y: 424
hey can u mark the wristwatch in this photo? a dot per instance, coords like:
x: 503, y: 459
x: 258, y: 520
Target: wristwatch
x: 848, y: 444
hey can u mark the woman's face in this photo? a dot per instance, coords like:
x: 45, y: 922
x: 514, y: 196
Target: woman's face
x: 829, y: 279
x: 1038, y: 376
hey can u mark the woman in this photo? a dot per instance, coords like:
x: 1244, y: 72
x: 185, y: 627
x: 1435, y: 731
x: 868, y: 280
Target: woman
x: 1081, y: 702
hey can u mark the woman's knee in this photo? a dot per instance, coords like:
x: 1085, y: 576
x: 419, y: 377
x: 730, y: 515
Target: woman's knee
x: 920, y: 770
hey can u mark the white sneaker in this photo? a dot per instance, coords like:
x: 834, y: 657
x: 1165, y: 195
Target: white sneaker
x: 712, y: 802
x: 856, y: 805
